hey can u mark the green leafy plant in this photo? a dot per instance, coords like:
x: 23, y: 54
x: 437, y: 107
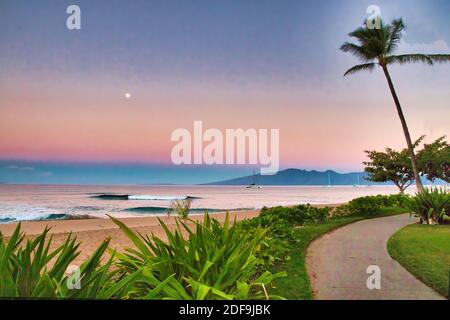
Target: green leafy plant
x: 434, y: 160
x: 370, y: 205
x: 280, y: 223
x: 298, y: 215
x: 431, y: 205
x: 391, y: 165
x: 24, y: 267
x: 277, y: 241
x: 29, y: 269
x: 366, y: 205
x: 215, y: 261
x: 396, y: 200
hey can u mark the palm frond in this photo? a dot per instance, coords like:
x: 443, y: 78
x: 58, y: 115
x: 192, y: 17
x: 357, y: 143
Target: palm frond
x: 356, y: 50
x: 440, y: 58
x: 395, y: 30
x: 362, y: 34
x: 361, y: 67
x: 409, y: 58
x: 373, y: 42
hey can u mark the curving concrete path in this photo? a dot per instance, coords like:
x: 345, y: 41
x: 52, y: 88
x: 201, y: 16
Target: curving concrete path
x: 337, y: 263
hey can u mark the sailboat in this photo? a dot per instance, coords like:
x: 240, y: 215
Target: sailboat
x: 357, y: 181
x: 329, y: 181
x: 254, y: 185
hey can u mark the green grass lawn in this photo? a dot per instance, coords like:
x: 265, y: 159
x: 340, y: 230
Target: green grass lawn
x: 425, y: 252
x: 296, y: 285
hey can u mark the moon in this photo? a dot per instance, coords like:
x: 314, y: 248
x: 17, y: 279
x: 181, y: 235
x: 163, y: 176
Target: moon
x: 128, y: 95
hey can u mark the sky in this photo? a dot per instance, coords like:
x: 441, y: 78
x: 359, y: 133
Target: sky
x: 266, y: 64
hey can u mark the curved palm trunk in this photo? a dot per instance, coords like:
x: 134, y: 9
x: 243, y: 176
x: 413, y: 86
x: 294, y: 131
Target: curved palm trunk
x: 405, y: 130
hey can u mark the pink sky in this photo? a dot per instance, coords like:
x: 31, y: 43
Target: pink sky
x: 62, y: 94
x: 325, y: 128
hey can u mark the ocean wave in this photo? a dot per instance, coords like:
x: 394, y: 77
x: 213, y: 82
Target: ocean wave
x: 9, y: 218
x: 155, y: 210
x: 108, y: 196
x: 25, y: 212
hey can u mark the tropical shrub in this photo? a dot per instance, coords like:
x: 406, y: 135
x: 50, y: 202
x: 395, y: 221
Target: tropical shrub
x: 280, y: 223
x: 432, y: 206
x: 298, y: 215
x: 396, y: 200
x: 275, y: 245
x: 29, y: 269
x: 215, y: 261
x: 341, y: 211
x: 366, y: 205
x: 370, y: 205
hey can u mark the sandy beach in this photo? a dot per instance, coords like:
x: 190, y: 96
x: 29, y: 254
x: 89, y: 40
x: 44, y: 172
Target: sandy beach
x: 92, y: 232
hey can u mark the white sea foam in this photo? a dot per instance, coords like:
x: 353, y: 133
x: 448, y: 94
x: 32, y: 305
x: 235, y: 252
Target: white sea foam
x: 27, y: 213
x: 24, y: 217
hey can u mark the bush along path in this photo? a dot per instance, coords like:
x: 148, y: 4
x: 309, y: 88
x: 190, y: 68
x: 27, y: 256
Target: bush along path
x: 341, y: 263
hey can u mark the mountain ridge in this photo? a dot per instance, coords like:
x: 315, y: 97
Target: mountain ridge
x: 302, y: 177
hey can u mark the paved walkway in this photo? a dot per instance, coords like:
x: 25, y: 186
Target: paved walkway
x: 338, y: 261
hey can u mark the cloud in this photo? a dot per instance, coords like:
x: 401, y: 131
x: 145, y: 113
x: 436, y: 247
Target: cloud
x: 435, y: 47
x: 14, y: 167
x: 26, y: 169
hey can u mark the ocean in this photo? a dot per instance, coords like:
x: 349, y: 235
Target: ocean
x: 49, y: 202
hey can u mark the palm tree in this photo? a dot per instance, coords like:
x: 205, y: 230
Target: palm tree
x: 376, y: 47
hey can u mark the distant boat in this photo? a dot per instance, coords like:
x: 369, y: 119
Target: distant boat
x: 254, y: 185
x: 329, y: 180
x: 357, y: 181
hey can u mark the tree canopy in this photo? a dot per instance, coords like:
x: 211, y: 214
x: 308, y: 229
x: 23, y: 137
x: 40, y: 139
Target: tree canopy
x: 377, y: 47
x: 434, y: 160
x: 390, y: 165
x: 395, y: 166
